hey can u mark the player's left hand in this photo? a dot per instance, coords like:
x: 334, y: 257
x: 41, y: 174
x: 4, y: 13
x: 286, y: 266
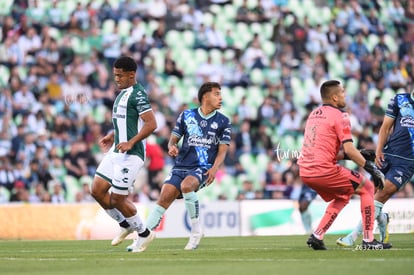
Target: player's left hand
x: 124, y: 147
x: 211, y: 173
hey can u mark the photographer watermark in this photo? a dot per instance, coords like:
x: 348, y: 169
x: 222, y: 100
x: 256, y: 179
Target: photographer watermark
x: 287, y: 153
x: 80, y: 98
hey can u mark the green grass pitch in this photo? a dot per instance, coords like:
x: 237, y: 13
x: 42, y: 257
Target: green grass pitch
x: 216, y: 255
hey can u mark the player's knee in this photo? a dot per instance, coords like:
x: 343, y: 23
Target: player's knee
x: 367, y: 187
x: 188, y: 186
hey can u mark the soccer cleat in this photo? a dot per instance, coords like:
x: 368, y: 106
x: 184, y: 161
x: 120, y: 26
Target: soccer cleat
x: 346, y: 241
x: 132, y: 245
x: 123, y: 233
x: 194, y: 241
x: 315, y: 243
x: 383, y: 227
x: 142, y: 243
x: 375, y: 245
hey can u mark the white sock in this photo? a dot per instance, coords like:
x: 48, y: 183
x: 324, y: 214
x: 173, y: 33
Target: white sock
x: 136, y: 223
x: 115, y: 214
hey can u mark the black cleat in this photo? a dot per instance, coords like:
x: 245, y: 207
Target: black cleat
x: 375, y: 245
x: 315, y: 243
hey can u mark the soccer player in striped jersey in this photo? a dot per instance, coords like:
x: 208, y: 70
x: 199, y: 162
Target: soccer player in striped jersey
x: 133, y: 121
x: 205, y: 135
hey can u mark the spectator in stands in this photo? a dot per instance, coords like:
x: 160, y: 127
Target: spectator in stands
x: 245, y: 144
x: 358, y: 47
x: 155, y: 165
x: 55, y: 16
x: 254, y: 57
x: 395, y: 78
x: 58, y: 195
x: 75, y: 162
x: 291, y: 124
x: 170, y: 66
x: 19, y: 192
x: 247, y: 191
x: 352, y: 67
x: 297, y: 36
x: 158, y: 35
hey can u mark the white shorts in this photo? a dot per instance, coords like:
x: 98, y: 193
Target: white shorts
x: 121, y: 170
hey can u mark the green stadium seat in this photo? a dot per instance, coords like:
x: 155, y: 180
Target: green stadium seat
x: 4, y: 75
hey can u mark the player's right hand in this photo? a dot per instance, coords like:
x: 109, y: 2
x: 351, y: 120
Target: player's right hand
x: 173, y: 151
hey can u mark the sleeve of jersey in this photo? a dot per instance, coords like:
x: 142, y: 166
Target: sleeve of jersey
x: 178, y: 129
x: 392, y: 109
x: 343, y: 127
x: 143, y: 105
x: 226, y: 133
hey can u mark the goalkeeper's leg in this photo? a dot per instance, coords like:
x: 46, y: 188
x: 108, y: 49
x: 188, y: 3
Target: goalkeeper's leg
x: 350, y: 239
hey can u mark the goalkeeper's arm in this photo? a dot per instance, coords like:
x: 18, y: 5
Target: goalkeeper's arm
x: 355, y: 155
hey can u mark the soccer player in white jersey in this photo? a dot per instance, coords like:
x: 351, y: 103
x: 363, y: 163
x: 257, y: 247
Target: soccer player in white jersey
x: 133, y: 121
x: 205, y: 134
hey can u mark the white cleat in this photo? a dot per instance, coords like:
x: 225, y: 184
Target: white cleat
x: 123, y: 233
x: 140, y: 244
x: 132, y: 245
x: 194, y: 241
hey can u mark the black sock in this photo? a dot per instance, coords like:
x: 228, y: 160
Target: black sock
x: 145, y: 233
x: 124, y: 224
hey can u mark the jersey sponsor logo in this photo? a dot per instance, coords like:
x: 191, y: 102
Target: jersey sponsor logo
x: 118, y: 116
x: 202, y: 141
x: 407, y: 121
x: 211, y: 133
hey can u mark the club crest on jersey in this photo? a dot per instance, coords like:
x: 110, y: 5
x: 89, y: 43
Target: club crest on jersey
x: 125, y: 170
x: 214, y: 125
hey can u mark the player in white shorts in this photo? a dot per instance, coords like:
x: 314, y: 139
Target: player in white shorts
x: 133, y: 121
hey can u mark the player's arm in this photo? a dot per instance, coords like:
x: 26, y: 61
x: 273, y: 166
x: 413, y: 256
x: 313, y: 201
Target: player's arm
x: 369, y: 166
x: 352, y: 153
x: 149, y: 125
x: 172, y: 145
x: 384, y: 133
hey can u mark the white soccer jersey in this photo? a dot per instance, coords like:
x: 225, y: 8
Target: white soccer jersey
x: 128, y: 106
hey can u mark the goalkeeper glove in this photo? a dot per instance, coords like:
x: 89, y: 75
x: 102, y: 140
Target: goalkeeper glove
x: 377, y: 176
x: 368, y: 154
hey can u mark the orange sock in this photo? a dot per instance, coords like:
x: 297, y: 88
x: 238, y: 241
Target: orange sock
x: 367, y: 211
x: 329, y: 217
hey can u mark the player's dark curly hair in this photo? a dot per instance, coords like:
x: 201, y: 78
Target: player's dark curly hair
x: 207, y: 87
x: 126, y: 63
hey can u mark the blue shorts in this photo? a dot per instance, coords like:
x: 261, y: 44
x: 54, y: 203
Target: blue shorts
x: 307, y: 193
x: 176, y: 176
x: 398, y: 171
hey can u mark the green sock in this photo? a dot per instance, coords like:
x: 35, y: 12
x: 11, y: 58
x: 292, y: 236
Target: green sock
x: 378, y: 208
x: 306, y: 221
x: 155, y: 217
x: 191, y: 204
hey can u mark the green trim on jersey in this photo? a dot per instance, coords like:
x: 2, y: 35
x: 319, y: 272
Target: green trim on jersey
x: 128, y: 106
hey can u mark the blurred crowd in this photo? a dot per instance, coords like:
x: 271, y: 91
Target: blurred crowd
x: 269, y: 55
